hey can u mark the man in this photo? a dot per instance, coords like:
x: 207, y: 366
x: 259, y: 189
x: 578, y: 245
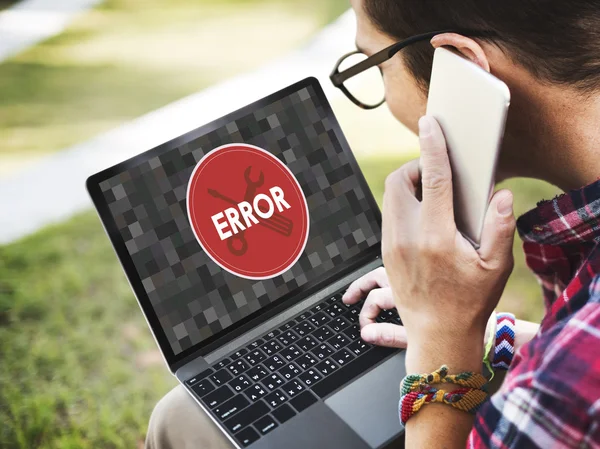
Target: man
x: 548, y: 53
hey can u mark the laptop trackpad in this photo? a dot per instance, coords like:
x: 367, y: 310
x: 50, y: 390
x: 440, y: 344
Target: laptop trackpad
x: 369, y: 405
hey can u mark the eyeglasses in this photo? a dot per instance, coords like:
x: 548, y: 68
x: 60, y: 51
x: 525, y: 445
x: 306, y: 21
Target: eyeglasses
x: 360, y: 77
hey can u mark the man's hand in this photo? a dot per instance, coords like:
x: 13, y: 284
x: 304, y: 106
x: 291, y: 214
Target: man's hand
x: 375, y: 287
x: 443, y: 288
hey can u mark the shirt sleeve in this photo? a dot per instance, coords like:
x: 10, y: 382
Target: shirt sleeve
x: 549, y: 397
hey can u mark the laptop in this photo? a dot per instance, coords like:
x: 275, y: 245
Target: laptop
x: 238, y: 239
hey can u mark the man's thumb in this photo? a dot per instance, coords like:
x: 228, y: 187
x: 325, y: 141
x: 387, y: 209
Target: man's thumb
x: 498, y: 229
x: 384, y: 334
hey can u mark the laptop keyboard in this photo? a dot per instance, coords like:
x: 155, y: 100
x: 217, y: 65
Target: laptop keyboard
x: 264, y: 384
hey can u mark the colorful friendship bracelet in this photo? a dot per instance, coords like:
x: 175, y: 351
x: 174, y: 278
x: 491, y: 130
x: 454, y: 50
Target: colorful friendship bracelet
x: 416, y: 382
x: 465, y: 399
x: 504, y: 348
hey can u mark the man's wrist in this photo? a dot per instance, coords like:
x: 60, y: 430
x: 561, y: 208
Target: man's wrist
x: 459, y: 354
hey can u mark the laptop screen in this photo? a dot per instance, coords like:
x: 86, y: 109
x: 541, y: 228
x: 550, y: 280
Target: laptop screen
x: 195, y: 294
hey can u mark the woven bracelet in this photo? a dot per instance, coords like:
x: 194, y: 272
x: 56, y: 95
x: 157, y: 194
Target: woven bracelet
x: 504, y: 348
x: 465, y: 399
x: 416, y: 382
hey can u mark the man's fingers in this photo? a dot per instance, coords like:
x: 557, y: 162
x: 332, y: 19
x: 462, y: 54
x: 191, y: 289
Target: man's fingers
x: 436, y: 177
x: 384, y: 334
x: 498, y: 230
x: 377, y: 300
x: 363, y: 285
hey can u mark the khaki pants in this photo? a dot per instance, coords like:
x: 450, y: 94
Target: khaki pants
x: 178, y: 422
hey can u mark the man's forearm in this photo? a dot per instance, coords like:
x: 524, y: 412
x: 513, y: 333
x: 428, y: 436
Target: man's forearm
x: 524, y: 332
x: 440, y: 425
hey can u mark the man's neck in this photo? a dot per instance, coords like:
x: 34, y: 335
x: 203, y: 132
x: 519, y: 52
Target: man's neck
x: 555, y: 134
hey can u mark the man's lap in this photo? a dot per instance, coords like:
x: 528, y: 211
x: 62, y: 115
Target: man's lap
x: 177, y: 422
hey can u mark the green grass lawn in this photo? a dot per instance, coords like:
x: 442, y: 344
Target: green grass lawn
x: 79, y: 367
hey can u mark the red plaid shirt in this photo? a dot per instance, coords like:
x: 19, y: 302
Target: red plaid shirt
x: 551, y: 395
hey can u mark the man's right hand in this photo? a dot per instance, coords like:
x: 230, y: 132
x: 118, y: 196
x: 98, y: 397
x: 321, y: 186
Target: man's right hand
x: 375, y: 287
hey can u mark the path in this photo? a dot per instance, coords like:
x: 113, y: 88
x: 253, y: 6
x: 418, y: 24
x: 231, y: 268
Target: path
x: 31, y: 21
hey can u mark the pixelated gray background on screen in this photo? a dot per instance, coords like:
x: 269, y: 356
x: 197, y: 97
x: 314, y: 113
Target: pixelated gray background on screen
x: 192, y: 296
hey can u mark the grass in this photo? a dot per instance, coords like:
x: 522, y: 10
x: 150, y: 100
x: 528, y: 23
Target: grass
x: 126, y: 58
x: 79, y: 367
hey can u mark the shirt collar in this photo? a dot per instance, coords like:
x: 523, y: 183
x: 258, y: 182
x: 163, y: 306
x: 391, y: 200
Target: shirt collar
x: 572, y: 217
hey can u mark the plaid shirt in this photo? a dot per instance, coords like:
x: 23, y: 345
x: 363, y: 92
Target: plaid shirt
x: 550, y: 397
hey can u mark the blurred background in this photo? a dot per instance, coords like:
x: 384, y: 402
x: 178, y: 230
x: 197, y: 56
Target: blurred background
x: 78, y: 366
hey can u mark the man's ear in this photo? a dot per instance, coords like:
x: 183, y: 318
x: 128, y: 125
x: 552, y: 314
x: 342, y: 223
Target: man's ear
x: 469, y: 48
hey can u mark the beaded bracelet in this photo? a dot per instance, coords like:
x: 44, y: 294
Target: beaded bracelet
x: 465, y: 399
x: 504, y: 348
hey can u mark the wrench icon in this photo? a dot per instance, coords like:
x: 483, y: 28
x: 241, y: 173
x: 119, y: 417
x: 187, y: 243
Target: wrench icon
x: 252, y: 185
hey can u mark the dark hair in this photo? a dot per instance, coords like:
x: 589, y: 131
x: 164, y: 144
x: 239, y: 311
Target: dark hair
x: 556, y: 40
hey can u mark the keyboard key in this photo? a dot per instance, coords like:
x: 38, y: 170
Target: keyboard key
x: 352, y: 332
x: 218, y: 396
x: 273, y: 381
x: 238, y: 367
x: 256, y: 344
x: 203, y: 387
x: 271, y: 335
x: 339, y: 324
x: 240, y: 383
x: 289, y: 371
x: 276, y: 398
x: 200, y: 376
x: 220, y: 377
x: 293, y: 388
x: 222, y: 364
x: 352, y: 315
x: 335, y: 310
x: 319, y: 319
x: 326, y: 367
x: 288, y: 325
x: 342, y: 357
x: 318, y: 307
x: 346, y: 373
x: 255, y: 357
x: 257, y: 373
x: 338, y: 342
x: 255, y: 392
x: 287, y: 338
x: 271, y: 347
x: 359, y: 347
x: 331, y: 300
x: 304, y: 328
x: 274, y: 363
x: 323, y: 333
x: 322, y: 351
x: 310, y: 377
x: 231, y: 407
x: 247, y: 436
x: 290, y: 353
x: 304, y: 316
x: 246, y: 416
x: 283, y: 413
x: 239, y: 353
x: 303, y: 401
x: 306, y: 361
x: 265, y: 424
x: 307, y: 343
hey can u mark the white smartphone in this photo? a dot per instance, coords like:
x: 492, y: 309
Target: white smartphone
x: 471, y: 106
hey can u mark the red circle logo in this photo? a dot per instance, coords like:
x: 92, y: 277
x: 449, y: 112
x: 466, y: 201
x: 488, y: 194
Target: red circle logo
x: 247, y: 211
